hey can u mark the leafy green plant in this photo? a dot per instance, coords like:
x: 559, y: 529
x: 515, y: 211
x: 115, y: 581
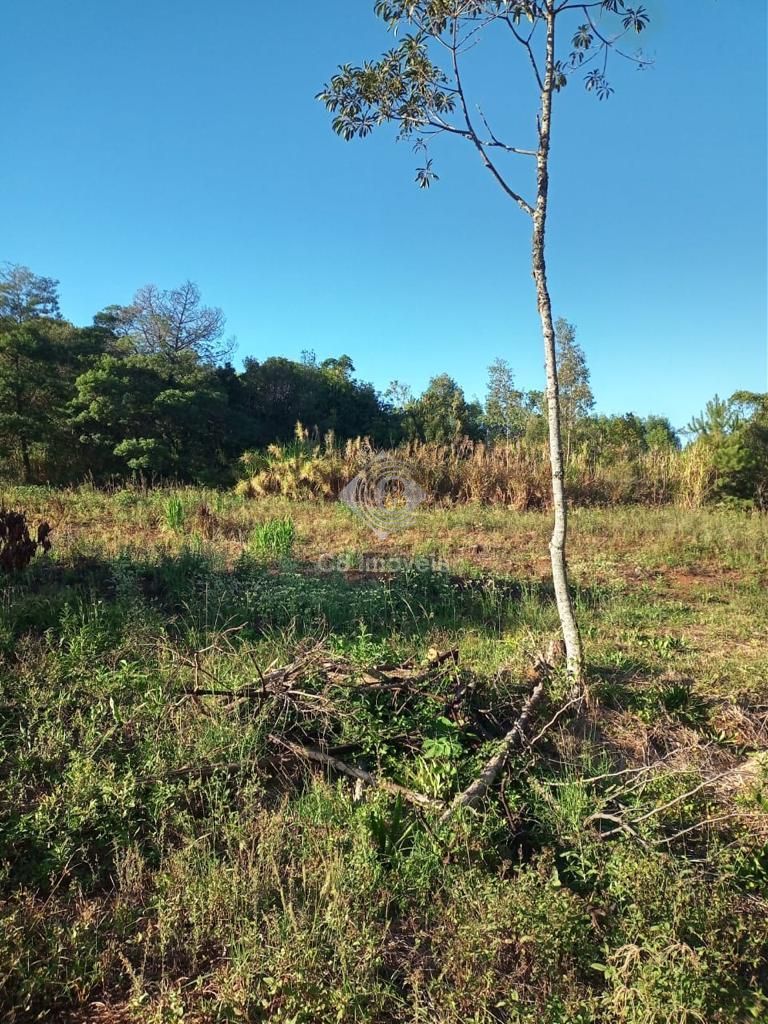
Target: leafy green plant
x: 436, y: 771
x: 390, y: 826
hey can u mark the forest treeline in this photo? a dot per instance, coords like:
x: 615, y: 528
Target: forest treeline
x: 148, y: 389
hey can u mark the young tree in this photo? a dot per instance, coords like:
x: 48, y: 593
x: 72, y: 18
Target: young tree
x: 735, y: 432
x: 719, y: 419
x: 504, y: 411
x: 576, y: 398
x: 660, y: 434
x: 419, y: 86
x: 399, y: 403
x: 443, y: 415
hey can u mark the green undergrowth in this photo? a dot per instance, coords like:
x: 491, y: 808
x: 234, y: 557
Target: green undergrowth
x: 161, y: 854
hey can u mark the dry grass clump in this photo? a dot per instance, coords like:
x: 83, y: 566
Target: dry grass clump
x: 303, y: 469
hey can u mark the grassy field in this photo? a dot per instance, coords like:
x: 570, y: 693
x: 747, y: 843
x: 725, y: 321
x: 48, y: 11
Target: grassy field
x: 164, y: 856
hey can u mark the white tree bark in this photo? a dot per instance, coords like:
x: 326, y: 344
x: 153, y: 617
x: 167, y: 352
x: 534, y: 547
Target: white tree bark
x: 557, y: 546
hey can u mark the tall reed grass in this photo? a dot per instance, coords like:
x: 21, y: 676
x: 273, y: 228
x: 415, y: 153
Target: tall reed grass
x: 515, y: 474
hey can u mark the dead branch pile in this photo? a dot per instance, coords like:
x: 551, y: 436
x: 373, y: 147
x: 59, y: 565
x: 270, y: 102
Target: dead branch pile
x: 17, y: 548
x: 286, y: 688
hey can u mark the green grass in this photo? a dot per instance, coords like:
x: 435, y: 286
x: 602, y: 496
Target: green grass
x: 160, y: 855
x: 175, y: 514
x: 274, y: 538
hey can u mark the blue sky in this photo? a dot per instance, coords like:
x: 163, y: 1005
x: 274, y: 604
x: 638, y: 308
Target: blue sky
x: 163, y: 140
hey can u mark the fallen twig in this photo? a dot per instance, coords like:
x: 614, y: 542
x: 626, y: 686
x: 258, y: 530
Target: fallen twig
x: 642, y: 769
x: 621, y: 826
x: 700, y: 824
x: 473, y: 794
x: 277, y: 680
x: 690, y: 793
x: 319, y: 757
x: 202, y: 771
x: 556, y: 717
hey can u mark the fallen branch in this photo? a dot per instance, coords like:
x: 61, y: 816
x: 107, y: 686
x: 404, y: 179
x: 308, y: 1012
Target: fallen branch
x: 474, y: 794
x: 621, y: 826
x: 400, y: 677
x: 360, y: 774
x: 278, y: 680
x: 624, y: 825
x: 700, y: 824
x: 641, y: 770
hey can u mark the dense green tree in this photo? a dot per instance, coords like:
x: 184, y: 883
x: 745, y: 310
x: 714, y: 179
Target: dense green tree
x: 343, y: 367
x: 614, y: 437
x: 626, y: 436
x: 751, y: 479
x: 26, y: 296
x: 735, y: 433
x: 442, y: 413
x: 278, y: 392
x: 137, y: 414
x: 349, y: 407
x: 30, y: 390
x: 719, y: 418
x: 39, y: 357
x: 660, y: 434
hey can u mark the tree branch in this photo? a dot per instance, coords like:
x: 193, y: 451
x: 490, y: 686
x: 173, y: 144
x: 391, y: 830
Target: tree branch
x: 527, y: 44
x: 473, y: 137
x: 473, y: 794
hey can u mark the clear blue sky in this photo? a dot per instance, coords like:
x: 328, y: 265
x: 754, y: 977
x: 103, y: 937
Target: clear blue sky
x: 162, y: 140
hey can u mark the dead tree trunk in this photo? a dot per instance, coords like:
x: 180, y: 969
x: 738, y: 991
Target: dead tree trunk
x: 557, y: 546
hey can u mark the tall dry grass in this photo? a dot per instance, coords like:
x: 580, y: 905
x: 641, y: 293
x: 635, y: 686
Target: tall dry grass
x: 515, y: 474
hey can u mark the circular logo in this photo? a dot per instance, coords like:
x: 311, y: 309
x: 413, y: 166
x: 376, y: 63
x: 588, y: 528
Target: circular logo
x: 384, y: 495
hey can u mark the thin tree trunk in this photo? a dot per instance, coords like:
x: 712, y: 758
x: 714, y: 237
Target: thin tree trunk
x: 557, y: 546
x: 19, y: 400
x: 26, y: 461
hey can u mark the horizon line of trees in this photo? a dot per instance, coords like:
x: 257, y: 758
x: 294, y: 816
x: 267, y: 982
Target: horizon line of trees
x: 149, y: 388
